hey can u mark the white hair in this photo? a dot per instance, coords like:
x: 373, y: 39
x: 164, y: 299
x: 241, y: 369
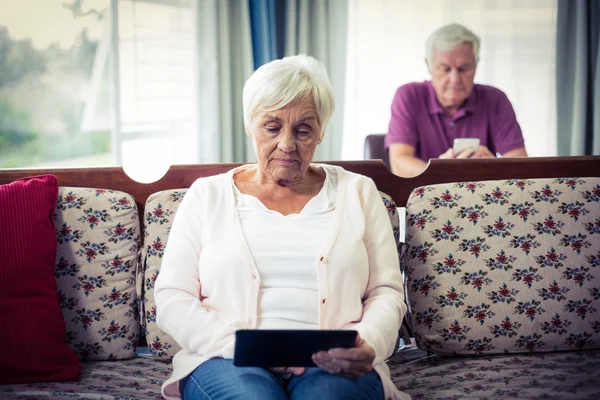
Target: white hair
x: 450, y: 37
x: 283, y: 82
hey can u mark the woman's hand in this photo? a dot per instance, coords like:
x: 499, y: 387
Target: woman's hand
x: 288, y: 370
x: 351, y: 363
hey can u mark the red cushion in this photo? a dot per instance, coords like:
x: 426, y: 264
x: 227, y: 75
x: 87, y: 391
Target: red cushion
x: 33, y: 346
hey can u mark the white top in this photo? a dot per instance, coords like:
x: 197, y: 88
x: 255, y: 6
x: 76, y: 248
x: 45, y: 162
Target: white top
x: 286, y: 251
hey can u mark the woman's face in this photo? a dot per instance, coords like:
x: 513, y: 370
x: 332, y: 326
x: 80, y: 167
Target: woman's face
x: 285, y: 140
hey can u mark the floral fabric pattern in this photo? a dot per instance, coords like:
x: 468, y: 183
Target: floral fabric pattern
x: 98, y: 241
x: 159, y: 211
x: 138, y: 378
x: 553, y: 376
x: 505, y: 266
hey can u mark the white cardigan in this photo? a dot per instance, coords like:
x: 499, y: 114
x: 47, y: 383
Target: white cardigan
x: 208, y: 283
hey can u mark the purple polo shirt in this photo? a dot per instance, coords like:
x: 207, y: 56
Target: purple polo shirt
x: 419, y: 120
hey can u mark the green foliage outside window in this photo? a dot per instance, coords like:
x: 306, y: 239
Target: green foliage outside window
x: 42, y: 97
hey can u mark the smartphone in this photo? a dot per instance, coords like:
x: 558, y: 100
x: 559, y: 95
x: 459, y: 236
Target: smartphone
x: 461, y: 144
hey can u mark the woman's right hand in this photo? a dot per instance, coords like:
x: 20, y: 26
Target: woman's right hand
x: 288, y: 370
x: 354, y: 362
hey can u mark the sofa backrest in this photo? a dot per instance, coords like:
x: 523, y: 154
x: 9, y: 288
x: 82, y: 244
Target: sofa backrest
x: 438, y: 171
x: 505, y: 266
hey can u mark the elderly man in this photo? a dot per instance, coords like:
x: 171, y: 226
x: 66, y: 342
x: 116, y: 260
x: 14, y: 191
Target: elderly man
x: 428, y: 116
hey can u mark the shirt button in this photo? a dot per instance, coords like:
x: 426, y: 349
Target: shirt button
x: 254, y: 276
x: 250, y: 323
x: 323, y: 260
x: 324, y: 300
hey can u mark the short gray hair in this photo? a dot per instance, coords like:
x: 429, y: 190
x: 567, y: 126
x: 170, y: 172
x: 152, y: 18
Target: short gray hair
x: 449, y: 37
x: 283, y: 82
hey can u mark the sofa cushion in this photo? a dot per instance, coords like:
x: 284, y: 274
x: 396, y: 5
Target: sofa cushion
x: 32, y: 328
x: 138, y: 378
x: 98, y: 242
x: 392, y: 210
x: 159, y: 211
x: 505, y: 266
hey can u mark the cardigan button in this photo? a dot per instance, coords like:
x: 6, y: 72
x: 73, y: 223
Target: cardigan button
x: 324, y: 300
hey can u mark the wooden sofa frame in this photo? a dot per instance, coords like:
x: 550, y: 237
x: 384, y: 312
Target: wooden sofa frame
x: 438, y: 171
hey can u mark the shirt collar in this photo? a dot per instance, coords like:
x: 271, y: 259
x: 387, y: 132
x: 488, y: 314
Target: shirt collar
x: 435, y: 107
x: 432, y: 104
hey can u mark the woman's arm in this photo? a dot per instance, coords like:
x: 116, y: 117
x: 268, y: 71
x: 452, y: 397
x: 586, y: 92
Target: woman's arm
x: 383, y: 301
x: 384, y: 305
x: 177, y: 290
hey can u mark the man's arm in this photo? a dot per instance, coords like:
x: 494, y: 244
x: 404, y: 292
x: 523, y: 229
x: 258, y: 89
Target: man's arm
x: 506, y: 132
x: 520, y: 152
x: 403, y: 160
x: 402, y: 137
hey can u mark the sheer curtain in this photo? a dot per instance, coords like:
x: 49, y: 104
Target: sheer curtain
x: 225, y: 61
x: 578, y: 77
x: 180, y: 66
x: 386, y: 48
x: 318, y: 28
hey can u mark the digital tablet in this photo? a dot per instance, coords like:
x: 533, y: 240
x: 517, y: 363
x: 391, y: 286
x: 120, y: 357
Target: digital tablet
x: 286, y: 348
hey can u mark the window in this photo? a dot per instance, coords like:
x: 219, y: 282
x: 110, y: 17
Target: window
x: 156, y: 90
x: 97, y: 82
x: 386, y: 48
x: 48, y: 50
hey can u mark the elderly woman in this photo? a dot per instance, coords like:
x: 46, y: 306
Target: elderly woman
x: 281, y: 244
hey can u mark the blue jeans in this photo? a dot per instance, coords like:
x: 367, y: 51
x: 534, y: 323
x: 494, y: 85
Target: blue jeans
x: 219, y: 379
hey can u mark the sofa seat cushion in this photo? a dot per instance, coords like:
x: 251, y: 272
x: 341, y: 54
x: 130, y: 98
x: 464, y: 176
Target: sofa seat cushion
x: 505, y: 266
x: 32, y: 328
x: 138, y: 378
x: 98, y: 239
x: 559, y: 375
x: 159, y: 211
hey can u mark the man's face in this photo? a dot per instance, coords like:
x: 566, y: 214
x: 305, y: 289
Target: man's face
x: 452, y: 74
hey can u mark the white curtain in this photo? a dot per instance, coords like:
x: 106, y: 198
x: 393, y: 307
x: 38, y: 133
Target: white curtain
x: 386, y: 48
x: 318, y: 28
x: 225, y: 62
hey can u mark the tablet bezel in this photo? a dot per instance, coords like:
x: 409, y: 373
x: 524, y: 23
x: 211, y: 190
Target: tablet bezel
x: 268, y: 348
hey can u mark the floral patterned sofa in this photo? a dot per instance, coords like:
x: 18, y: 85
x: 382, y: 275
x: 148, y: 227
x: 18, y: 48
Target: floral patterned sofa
x: 105, y: 279
x: 503, y: 279
x: 460, y: 287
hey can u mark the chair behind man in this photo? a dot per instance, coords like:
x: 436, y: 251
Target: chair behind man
x: 374, y: 148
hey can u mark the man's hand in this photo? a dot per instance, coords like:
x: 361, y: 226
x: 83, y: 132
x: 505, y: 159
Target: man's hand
x: 447, y: 154
x: 480, y: 152
x: 351, y: 363
x: 467, y: 153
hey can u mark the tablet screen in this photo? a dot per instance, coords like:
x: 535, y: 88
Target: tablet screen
x: 286, y: 348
